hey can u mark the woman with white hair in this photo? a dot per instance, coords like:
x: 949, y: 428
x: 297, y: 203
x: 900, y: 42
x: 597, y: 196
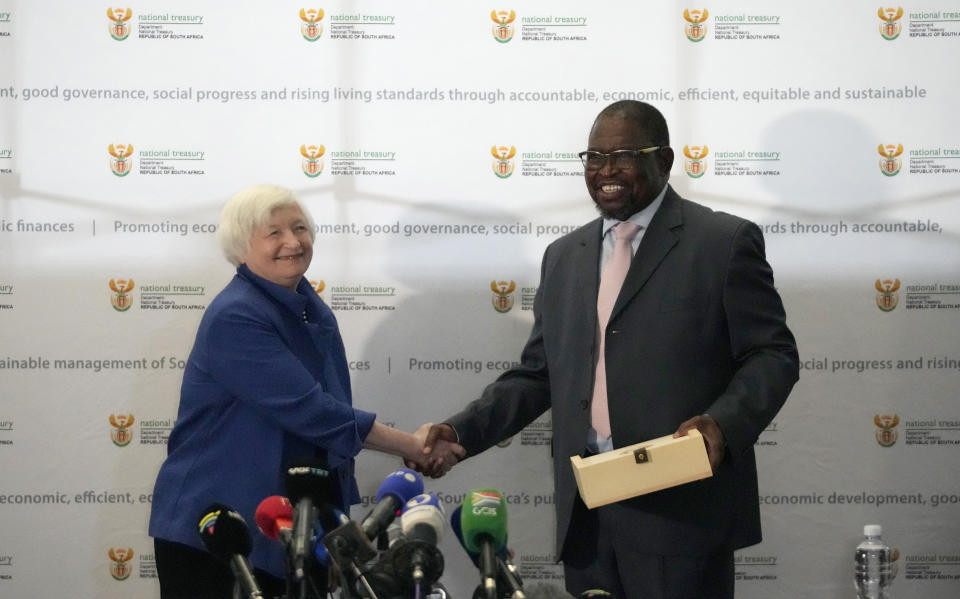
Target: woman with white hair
x: 266, y: 385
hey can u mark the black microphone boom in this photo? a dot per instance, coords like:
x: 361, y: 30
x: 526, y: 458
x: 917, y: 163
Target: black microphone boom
x: 309, y: 486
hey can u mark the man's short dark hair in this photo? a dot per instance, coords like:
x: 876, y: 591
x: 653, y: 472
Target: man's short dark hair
x: 647, y: 118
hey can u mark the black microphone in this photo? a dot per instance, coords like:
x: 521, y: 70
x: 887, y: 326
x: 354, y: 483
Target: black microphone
x: 309, y: 486
x: 225, y: 534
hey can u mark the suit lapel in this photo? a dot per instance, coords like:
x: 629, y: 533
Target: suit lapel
x: 657, y: 242
x: 586, y: 263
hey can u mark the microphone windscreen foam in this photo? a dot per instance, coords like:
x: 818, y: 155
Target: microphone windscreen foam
x: 310, y: 479
x: 483, y: 516
x: 273, y: 513
x: 403, y: 484
x: 224, y: 532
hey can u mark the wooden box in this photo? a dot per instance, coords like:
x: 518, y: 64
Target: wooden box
x: 642, y: 468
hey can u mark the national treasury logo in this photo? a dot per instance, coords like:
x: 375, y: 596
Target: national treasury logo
x: 319, y: 286
x: 120, y: 434
x: 312, y: 164
x: 120, y: 299
x: 890, y: 28
x: 311, y: 29
x: 887, y: 296
x: 118, y: 27
x: 120, y: 162
x: 503, y: 29
x: 119, y: 568
x: 503, y: 163
x: 890, y: 163
x: 695, y: 28
x: 502, y: 299
x: 694, y: 165
x: 886, y: 432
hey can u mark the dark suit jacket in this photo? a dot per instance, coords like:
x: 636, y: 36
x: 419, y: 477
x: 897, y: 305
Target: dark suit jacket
x: 698, y: 328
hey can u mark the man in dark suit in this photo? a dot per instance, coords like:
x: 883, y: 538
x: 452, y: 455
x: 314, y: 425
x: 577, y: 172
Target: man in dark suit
x: 696, y: 338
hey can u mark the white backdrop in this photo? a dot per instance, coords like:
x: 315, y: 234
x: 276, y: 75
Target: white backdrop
x: 832, y: 128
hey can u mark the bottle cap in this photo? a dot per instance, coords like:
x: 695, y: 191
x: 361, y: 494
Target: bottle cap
x: 872, y: 530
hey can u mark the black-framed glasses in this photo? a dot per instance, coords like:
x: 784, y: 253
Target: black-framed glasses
x: 622, y: 159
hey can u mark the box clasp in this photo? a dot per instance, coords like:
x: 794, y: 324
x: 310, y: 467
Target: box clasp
x: 640, y: 455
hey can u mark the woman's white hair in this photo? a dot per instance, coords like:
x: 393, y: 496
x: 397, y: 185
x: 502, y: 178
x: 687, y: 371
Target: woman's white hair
x: 249, y: 209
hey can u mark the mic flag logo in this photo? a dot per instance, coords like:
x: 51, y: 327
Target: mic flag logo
x: 121, y: 435
x: 311, y: 29
x: 695, y: 28
x: 119, y: 568
x: 890, y: 28
x: 694, y: 165
x: 502, y: 295
x: 485, y: 502
x: 120, y: 161
x: 503, y: 165
x: 311, y: 164
x: 890, y: 163
x: 118, y: 27
x: 503, y: 30
x: 120, y: 299
x: 886, y: 432
x: 887, y: 296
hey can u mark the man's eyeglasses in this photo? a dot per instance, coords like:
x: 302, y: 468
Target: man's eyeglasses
x: 622, y: 159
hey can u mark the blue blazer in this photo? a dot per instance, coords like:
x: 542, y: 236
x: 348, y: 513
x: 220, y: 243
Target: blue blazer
x: 261, y: 388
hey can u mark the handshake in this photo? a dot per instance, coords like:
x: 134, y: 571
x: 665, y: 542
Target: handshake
x: 438, y: 450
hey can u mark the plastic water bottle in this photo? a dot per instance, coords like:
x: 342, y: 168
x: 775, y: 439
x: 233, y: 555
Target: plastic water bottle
x: 871, y: 569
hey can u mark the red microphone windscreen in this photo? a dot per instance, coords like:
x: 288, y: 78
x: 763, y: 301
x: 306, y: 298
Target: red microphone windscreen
x: 273, y: 514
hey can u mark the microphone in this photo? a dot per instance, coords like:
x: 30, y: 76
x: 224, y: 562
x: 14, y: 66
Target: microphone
x: 398, y: 488
x: 506, y: 571
x: 483, y: 521
x: 329, y: 520
x: 274, y: 517
x: 225, y: 534
x: 308, y: 485
x: 417, y: 559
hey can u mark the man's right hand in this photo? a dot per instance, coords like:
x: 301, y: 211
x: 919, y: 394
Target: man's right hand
x: 443, y: 438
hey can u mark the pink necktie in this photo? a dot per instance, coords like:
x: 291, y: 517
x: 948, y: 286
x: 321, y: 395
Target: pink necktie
x: 611, y: 280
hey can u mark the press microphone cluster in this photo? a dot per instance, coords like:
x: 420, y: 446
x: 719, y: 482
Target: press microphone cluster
x: 382, y: 556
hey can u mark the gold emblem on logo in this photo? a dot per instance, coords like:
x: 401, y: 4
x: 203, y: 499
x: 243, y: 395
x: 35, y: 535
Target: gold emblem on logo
x: 318, y: 286
x: 694, y: 165
x: 119, y: 569
x: 503, y: 165
x: 120, y: 162
x: 503, y: 30
x: 121, y: 435
x: 311, y: 164
x: 886, y: 432
x: 119, y: 29
x: 890, y: 28
x: 311, y: 29
x: 502, y: 299
x: 695, y: 28
x: 890, y: 164
x: 887, y: 297
x: 120, y: 299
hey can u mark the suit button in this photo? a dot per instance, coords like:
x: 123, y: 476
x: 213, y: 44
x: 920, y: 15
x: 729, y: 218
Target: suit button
x: 615, y: 332
x: 584, y: 404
